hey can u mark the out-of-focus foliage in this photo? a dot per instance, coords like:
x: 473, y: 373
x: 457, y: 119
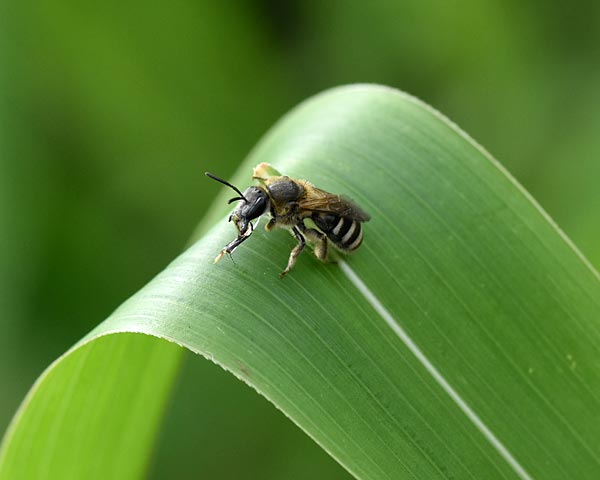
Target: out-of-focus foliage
x: 111, y: 111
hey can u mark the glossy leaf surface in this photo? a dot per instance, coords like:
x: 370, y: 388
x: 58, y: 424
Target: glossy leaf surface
x: 490, y: 369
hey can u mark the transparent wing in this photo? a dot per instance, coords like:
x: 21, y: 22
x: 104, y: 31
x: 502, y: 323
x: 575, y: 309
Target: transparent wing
x: 319, y: 200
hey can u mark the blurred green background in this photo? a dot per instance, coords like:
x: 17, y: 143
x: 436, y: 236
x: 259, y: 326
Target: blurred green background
x: 110, y: 112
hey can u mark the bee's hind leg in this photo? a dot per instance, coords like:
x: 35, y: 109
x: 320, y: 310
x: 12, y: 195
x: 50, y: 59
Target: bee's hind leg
x: 318, y: 238
x: 297, y: 250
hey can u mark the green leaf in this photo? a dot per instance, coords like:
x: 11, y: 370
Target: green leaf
x: 460, y: 341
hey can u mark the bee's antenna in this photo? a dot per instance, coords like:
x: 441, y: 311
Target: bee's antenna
x: 225, y: 182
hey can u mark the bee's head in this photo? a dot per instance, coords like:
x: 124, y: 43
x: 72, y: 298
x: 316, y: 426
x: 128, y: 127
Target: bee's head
x: 253, y: 203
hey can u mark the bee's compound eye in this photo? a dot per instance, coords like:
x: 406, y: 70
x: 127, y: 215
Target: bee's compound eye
x: 260, y: 204
x: 257, y: 203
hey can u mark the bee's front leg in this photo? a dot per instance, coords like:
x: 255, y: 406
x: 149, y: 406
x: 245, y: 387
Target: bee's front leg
x: 230, y: 247
x: 297, y: 250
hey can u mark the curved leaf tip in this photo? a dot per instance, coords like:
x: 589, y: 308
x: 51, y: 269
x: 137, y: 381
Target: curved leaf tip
x: 473, y: 274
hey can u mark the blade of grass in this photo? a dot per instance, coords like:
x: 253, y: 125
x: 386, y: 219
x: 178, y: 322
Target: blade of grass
x: 492, y: 298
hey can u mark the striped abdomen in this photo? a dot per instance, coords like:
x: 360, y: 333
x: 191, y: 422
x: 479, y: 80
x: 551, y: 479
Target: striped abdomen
x: 344, y: 232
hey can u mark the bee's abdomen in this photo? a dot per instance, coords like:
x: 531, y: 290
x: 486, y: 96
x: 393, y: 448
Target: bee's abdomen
x: 344, y: 232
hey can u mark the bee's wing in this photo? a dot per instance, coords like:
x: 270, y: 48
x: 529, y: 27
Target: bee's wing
x: 319, y: 200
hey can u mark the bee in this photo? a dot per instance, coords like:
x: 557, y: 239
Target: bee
x: 290, y: 203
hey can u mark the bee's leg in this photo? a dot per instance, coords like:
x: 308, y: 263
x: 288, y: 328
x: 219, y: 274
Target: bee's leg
x: 230, y: 247
x: 269, y: 226
x: 318, y: 238
x: 297, y: 250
